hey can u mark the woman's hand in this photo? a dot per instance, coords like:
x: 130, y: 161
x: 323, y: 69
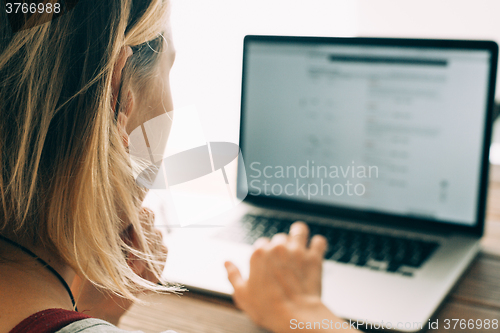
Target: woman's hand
x: 284, y: 281
x: 101, y: 304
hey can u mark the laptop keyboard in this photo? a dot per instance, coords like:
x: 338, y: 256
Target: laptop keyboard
x: 360, y: 248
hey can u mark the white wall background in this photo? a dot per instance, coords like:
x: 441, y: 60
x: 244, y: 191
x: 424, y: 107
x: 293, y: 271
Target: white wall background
x: 208, y: 37
x: 478, y: 19
x: 462, y: 19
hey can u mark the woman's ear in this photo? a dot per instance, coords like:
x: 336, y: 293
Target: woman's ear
x: 123, y: 117
x: 116, y: 79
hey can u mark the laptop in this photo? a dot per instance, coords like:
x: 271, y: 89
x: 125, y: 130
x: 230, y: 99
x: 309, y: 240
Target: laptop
x: 381, y: 145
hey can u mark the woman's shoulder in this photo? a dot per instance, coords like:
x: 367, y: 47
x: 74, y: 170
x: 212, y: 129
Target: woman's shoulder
x: 93, y: 325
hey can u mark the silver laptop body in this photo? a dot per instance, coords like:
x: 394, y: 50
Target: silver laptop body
x: 382, y: 146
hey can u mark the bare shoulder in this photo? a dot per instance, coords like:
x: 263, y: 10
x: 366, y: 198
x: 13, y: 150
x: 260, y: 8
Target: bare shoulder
x: 21, y: 292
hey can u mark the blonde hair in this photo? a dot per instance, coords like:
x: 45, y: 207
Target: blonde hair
x: 66, y: 182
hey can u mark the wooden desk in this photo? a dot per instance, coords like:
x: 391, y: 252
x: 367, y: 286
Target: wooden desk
x: 476, y: 295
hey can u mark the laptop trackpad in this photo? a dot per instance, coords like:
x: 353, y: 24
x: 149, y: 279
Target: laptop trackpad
x: 200, y: 262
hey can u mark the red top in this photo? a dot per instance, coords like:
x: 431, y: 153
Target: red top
x: 48, y: 321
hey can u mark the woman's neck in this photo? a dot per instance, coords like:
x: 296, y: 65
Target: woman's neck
x: 27, y: 287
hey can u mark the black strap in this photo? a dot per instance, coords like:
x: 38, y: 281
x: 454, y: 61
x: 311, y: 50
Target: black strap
x: 41, y: 261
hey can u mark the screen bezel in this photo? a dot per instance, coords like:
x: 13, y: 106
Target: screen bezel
x: 333, y: 211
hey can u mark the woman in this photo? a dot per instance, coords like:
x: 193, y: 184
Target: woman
x: 71, y: 89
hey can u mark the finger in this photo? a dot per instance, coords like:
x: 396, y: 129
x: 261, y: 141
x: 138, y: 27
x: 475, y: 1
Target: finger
x: 127, y: 234
x: 132, y: 238
x: 164, y: 252
x: 318, y: 245
x: 299, y: 233
x: 261, y: 242
x: 234, y: 275
x: 147, y: 217
x: 138, y: 266
x: 158, y: 233
x: 279, y: 239
x: 158, y: 236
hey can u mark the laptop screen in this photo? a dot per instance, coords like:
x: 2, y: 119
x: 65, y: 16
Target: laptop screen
x: 390, y: 129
